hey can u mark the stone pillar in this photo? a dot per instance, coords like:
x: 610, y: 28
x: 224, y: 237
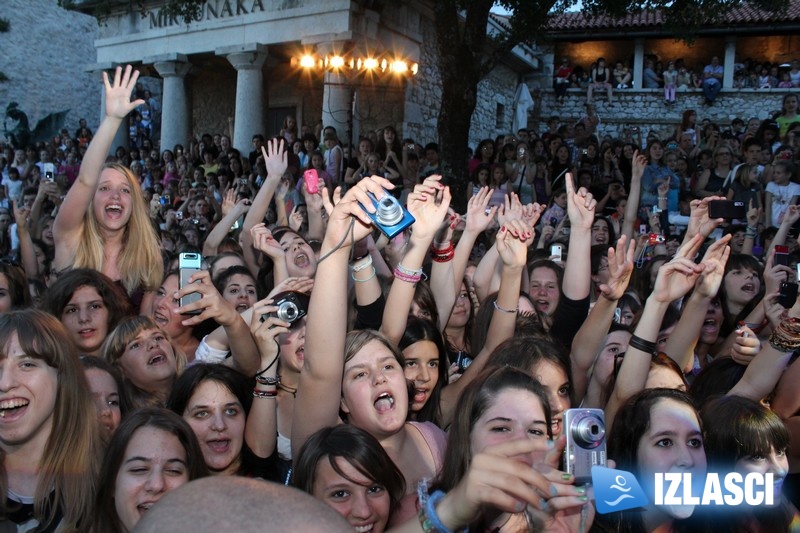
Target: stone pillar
x: 337, y: 105
x: 730, y: 61
x: 638, y: 63
x: 121, y: 138
x: 338, y: 96
x: 175, y: 114
x: 248, y: 61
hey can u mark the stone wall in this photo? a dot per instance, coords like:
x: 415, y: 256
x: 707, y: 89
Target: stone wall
x: 424, y: 92
x: 45, y: 52
x: 497, y: 89
x: 646, y: 109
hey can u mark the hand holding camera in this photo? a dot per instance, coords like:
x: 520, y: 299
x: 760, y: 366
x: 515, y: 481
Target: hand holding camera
x: 289, y: 307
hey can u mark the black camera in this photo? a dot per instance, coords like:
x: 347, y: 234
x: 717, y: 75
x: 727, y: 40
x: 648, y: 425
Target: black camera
x: 292, y: 306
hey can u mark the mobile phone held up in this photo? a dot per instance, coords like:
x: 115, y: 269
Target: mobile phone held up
x: 49, y: 171
x: 311, y: 179
x: 188, y: 265
x: 727, y: 209
x: 781, y: 255
x: 389, y: 215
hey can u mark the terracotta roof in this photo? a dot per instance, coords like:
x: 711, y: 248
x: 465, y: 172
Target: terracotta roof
x: 743, y: 14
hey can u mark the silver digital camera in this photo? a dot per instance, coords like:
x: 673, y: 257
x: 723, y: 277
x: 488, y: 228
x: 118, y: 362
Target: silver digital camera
x: 586, y: 442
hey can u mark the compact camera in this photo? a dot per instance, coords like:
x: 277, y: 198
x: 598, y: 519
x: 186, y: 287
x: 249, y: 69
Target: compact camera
x: 655, y: 238
x: 389, y: 215
x: 292, y: 306
x: 165, y: 200
x: 586, y: 442
x: 727, y: 209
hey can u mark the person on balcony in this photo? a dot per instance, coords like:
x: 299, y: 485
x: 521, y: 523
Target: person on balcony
x: 712, y: 80
x: 601, y: 79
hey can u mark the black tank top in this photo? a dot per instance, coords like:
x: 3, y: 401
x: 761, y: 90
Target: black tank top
x: 600, y: 77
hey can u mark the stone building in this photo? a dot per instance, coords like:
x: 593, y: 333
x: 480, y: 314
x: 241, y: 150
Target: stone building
x: 44, y: 51
x: 238, y: 67
x: 744, y: 32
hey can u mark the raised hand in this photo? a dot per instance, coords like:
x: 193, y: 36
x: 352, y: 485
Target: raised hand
x: 295, y: 284
x: 746, y: 346
x: 512, y: 243
x: 638, y: 163
x: 699, y: 221
x: 428, y: 204
x: 228, y: 201
x: 118, y: 93
x: 210, y: 305
x: 678, y: 276
x: 265, y: 330
x: 477, y: 217
x: 329, y: 203
x: 512, y: 210
x: 348, y: 222
x: 532, y: 212
x: 274, y: 158
x: 753, y: 215
x: 580, y: 206
x: 282, y: 190
x: 620, y: 268
x: 264, y: 242
x: 714, y: 262
x: 296, y: 219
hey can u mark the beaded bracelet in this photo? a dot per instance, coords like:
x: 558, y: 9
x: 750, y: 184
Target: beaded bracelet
x: 428, y: 519
x: 266, y: 380
x: 409, y: 278
x: 265, y: 393
x: 641, y: 344
x: 503, y: 309
x: 407, y: 271
x: 354, y: 278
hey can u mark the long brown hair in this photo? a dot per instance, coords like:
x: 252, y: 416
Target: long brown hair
x: 69, y: 464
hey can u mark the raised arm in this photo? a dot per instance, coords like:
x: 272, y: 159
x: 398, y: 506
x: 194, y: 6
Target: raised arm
x: 577, y: 270
x: 231, y: 212
x: 320, y: 389
x: 428, y: 213
x: 683, y: 340
x: 638, y: 165
x: 674, y: 280
x: 212, y: 305
x: 261, y: 430
x: 27, y: 255
x: 275, y: 161
x: 68, y: 224
x: 766, y: 368
x: 589, y: 339
x: 513, y: 240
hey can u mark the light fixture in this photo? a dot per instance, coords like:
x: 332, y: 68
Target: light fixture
x: 356, y: 64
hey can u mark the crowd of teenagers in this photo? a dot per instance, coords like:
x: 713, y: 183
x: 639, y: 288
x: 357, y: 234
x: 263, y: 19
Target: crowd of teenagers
x: 413, y: 383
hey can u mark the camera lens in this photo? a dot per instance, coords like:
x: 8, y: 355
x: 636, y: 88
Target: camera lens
x: 589, y: 432
x: 389, y: 211
x: 288, y: 311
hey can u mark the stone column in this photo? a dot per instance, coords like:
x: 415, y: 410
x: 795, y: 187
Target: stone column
x: 175, y: 114
x: 248, y: 61
x: 337, y: 95
x: 638, y: 63
x: 730, y: 60
x: 121, y: 138
x: 337, y: 105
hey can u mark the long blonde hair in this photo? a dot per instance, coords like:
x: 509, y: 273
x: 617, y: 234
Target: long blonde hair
x: 140, y: 262
x: 117, y: 342
x: 70, y: 463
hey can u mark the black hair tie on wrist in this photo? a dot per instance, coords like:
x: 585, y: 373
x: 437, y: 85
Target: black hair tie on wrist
x: 641, y: 344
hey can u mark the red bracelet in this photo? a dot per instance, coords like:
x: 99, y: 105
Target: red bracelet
x: 409, y: 278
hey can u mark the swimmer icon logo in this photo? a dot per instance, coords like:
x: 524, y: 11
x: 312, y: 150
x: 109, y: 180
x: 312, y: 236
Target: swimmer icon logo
x: 616, y: 490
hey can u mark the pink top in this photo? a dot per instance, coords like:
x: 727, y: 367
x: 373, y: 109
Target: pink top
x: 436, y: 440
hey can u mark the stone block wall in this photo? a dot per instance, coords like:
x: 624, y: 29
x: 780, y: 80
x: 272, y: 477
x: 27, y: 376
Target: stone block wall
x: 44, y: 56
x: 424, y: 92
x: 646, y: 109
